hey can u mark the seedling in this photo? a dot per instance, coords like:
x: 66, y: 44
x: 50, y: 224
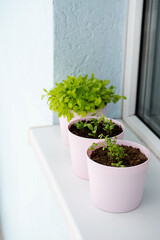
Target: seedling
x: 101, y: 136
x: 93, y: 146
x: 94, y: 131
x: 114, y: 151
x: 81, y: 124
x: 108, y: 126
x: 93, y: 124
x: 119, y: 164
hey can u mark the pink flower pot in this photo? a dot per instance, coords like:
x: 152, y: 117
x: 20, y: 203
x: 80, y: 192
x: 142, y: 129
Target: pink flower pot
x: 78, y: 148
x: 64, y: 124
x: 116, y: 189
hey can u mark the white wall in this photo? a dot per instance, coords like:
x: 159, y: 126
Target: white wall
x: 27, y: 208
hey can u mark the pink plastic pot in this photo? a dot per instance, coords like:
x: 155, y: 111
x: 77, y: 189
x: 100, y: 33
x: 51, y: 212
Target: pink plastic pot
x: 78, y: 149
x: 64, y: 124
x: 116, y: 189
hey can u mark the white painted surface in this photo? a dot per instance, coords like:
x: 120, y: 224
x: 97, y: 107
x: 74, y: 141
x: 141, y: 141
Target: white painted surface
x: 135, y: 8
x: 72, y: 194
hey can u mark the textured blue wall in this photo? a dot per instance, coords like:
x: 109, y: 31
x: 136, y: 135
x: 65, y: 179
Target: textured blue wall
x: 90, y: 37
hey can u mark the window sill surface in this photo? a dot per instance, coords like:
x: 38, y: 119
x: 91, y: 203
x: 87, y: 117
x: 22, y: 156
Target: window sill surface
x: 83, y: 220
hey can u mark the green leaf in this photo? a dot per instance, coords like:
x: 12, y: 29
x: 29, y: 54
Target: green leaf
x: 101, y: 136
x: 94, y: 144
x: 66, y: 99
x: 113, y: 164
x: 124, y: 97
x: 87, y: 107
x: 91, y: 98
x: 70, y: 105
x: 95, y: 128
x: 106, y: 82
x: 119, y: 163
x: 90, y: 127
x: 97, y: 101
x: 91, y: 148
x: 92, y: 76
x: 79, y: 102
x: 116, y: 98
x: 90, y: 134
x: 45, y: 90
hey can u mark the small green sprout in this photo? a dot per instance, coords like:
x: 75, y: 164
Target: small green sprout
x: 119, y: 164
x: 101, y: 136
x: 114, y: 151
x: 93, y: 124
x: 81, y: 124
x: 94, y: 131
x: 93, y: 146
x: 108, y: 126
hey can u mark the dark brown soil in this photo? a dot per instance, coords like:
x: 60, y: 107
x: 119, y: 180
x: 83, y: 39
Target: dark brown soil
x: 134, y: 156
x: 84, y: 133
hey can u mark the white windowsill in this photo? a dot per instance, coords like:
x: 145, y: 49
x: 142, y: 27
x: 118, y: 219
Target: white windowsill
x: 83, y: 220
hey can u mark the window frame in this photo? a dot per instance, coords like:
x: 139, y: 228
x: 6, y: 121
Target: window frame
x: 132, y: 53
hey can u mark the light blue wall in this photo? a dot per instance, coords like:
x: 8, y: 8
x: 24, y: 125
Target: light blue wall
x: 89, y: 36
